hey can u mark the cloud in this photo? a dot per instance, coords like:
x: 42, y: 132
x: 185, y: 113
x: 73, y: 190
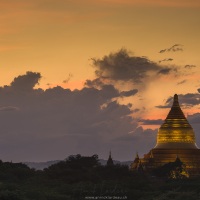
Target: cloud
x: 151, y: 121
x: 68, y: 78
x: 162, y: 51
x: 163, y: 106
x: 8, y: 108
x: 60, y: 122
x: 136, y: 110
x: 166, y: 60
x: 174, y: 48
x: 190, y: 66
x: 26, y: 82
x: 186, y: 100
x: 109, y: 90
x: 182, y: 82
x: 94, y: 83
x: 128, y: 93
x: 134, y: 140
x: 165, y: 71
x: 189, y: 99
x: 123, y: 66
x: 194, y: 119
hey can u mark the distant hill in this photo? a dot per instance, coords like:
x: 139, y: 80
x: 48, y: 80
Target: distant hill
x: 43, y: 165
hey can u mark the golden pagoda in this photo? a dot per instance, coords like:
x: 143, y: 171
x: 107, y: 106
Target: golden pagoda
x: 175, y: 138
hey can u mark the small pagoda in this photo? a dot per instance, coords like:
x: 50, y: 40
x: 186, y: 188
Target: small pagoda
x: 110, y: 160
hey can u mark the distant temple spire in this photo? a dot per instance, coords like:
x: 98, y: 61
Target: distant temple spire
x: 110, y: 160
x: 137, y: 156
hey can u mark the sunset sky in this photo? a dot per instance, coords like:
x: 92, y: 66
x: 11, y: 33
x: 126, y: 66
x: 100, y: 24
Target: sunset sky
x: 87, y: 76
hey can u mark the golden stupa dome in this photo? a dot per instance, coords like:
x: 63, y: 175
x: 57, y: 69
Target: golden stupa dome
x: 176, y: 132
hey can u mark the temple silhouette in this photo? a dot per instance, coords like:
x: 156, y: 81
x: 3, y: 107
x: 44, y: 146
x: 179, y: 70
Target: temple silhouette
x: 175, y: 139
x: 110, y: 160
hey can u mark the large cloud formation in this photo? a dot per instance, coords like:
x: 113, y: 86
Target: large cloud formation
x: 39, y: 124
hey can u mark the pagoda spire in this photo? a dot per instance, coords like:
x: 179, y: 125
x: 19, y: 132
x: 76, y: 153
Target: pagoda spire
x: 137, y: 156
x: 175, y: 103
x: 110, y: 160
x: 176, y: 112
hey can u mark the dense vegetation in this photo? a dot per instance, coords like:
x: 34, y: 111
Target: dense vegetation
x: 81, y: 177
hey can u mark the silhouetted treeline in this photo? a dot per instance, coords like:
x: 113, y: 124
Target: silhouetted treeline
x: 81, y: 177
x: 78, y: 168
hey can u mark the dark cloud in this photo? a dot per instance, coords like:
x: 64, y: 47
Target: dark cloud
x: 174, y: 48
x: 68, y: 78
x: 151, y: 121
x: 110, y: 90
x: 163, y: 106
x: 194, y: 119
x: 122, y: 66
x: 98, y: 83
x: 26, y: 82
x: 162, y: 51
x: 139, y: 131
x: 190, y: 66
x: 181, y: 82
x: 94, y: 83
x: 166, y: 60
x: 128, y: 93
x: 189, y: 99
x: 57, y: 122
x: 165, y: 71
x: 136, y: 110
x: 186, y: 100
x: 134, y: 140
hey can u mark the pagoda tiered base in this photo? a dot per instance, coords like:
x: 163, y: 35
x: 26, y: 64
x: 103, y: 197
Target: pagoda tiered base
x: 190, y: 157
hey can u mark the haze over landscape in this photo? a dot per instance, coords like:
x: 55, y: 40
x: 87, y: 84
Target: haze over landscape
x: 89, y: 76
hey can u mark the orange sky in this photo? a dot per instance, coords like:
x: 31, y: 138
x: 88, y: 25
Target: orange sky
x: 58, y: 38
